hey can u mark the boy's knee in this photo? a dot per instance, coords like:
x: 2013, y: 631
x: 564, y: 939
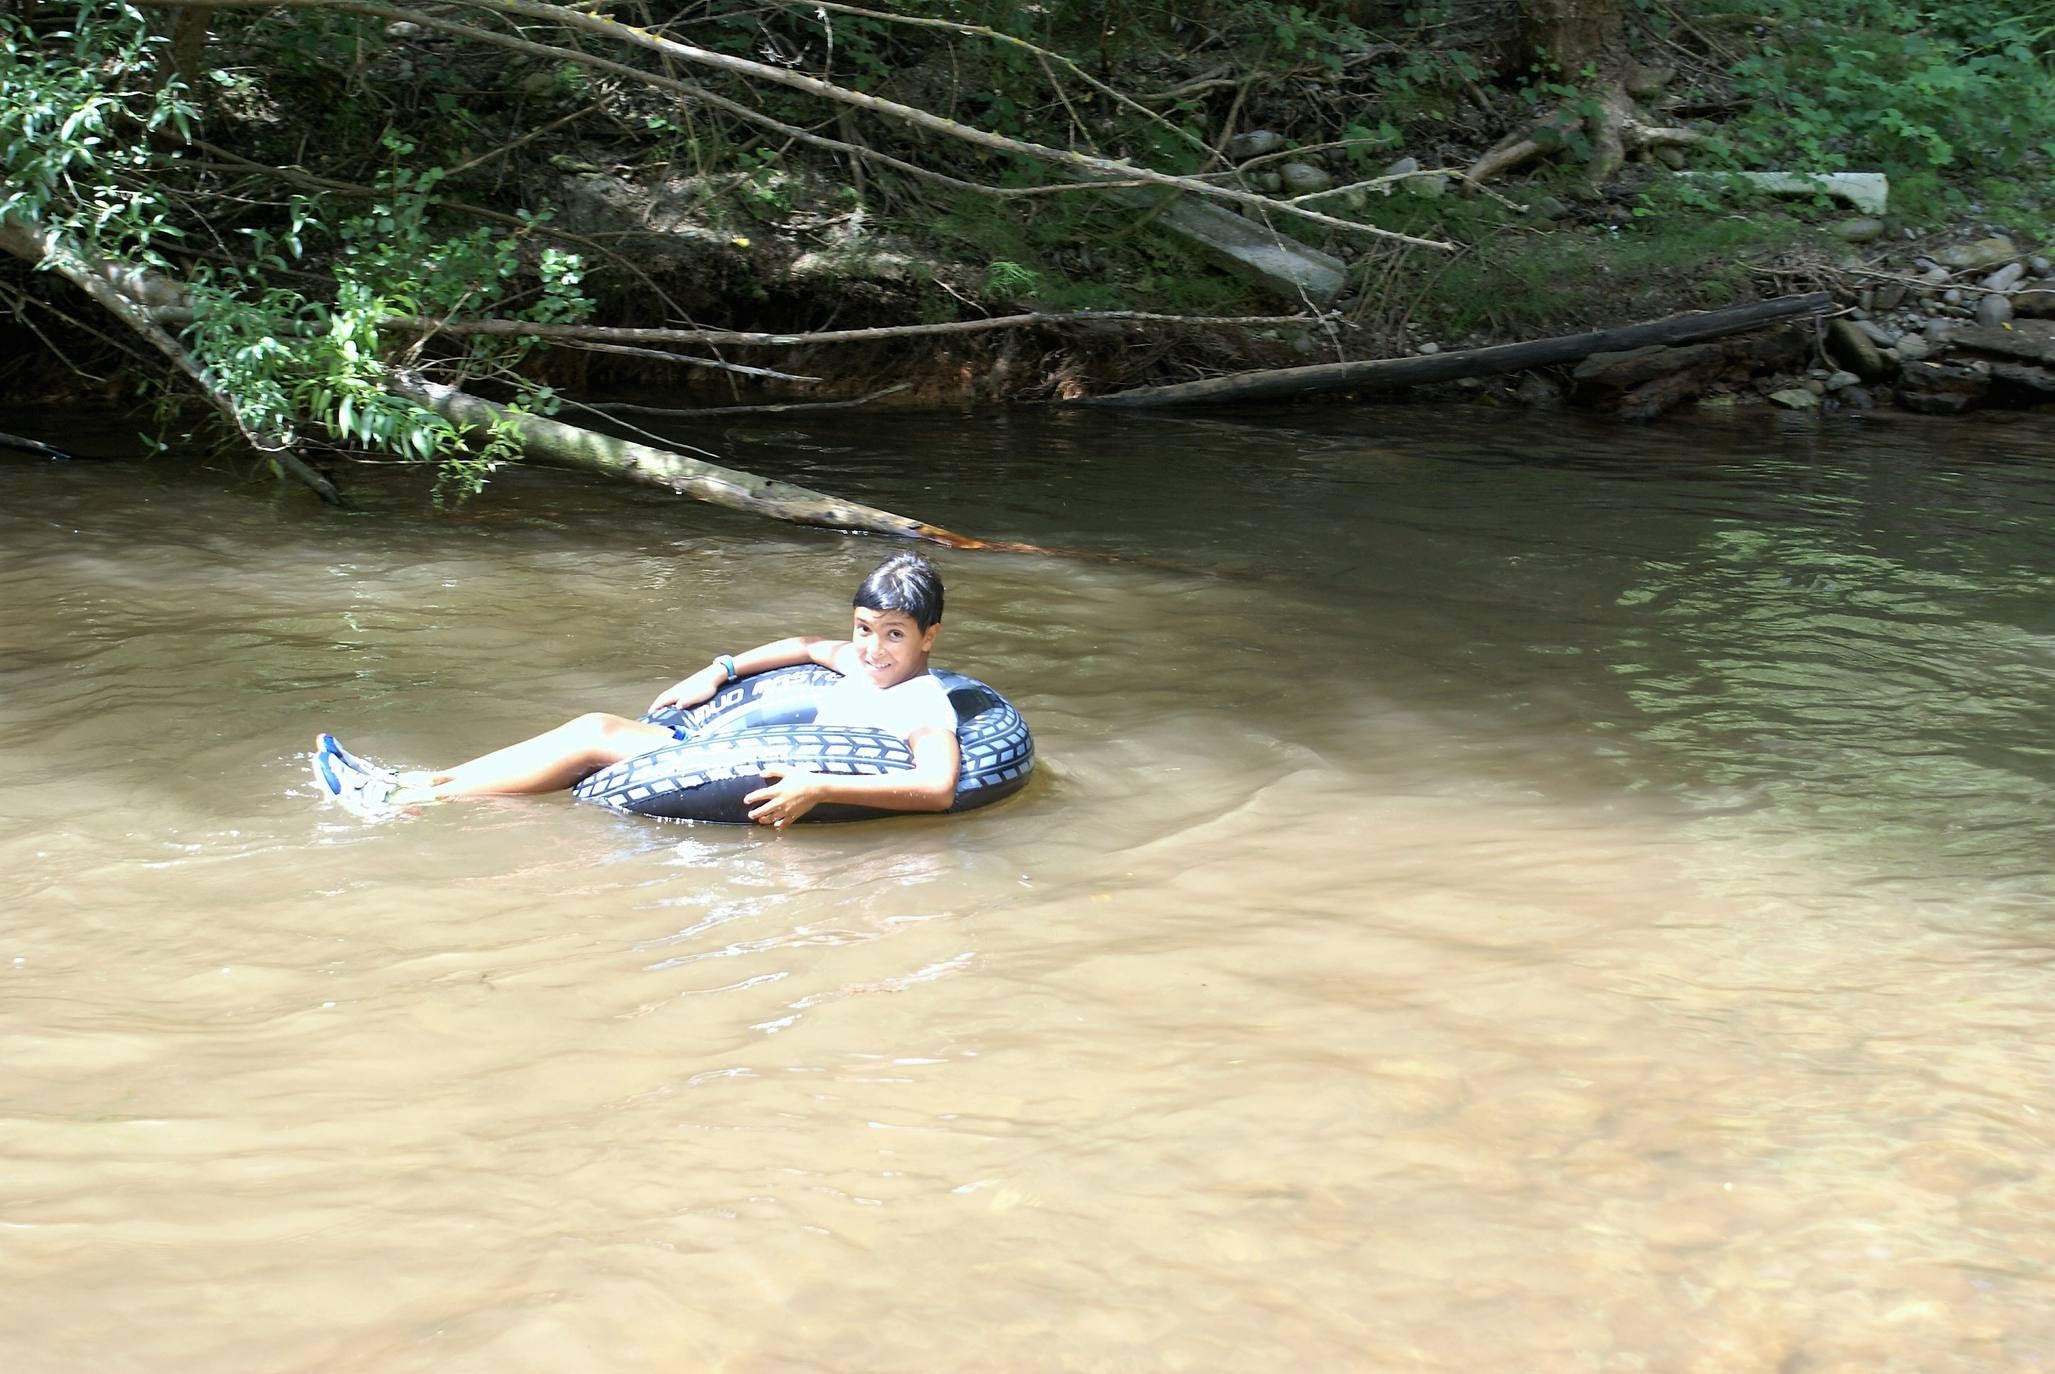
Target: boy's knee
x: 596, y: 725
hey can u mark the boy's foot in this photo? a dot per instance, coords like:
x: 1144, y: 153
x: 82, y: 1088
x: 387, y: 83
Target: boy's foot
x: 361, y: 788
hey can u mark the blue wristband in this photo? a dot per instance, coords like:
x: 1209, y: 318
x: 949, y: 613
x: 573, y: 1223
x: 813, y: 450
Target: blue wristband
x: 726, y: 663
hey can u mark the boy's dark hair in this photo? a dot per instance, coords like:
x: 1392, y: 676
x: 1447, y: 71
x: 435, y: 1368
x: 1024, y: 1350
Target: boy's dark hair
x: 904, y: 582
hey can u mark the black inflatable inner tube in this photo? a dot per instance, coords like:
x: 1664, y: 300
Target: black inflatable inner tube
x: 766, y: 721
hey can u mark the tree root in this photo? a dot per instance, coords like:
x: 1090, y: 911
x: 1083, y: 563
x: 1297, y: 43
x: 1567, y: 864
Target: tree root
x: 1615, y: 127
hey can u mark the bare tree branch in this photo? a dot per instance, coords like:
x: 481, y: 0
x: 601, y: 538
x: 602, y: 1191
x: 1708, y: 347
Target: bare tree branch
x: 692, y: 92
x: 1100, y: 168
x: 126, y: 291
x: 292, y: 176
x: 554, y: 442
x: 589, y: 346
x: 628, y: 408
x: 1272, y: 384
x: 606, y: 334
x: 982, y: 31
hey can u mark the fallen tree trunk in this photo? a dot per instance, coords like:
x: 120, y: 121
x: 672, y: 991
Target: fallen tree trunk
x: 553, y: 442
x: 131, y: 294
x: 1281, y: 383
x: 605, y: 334
x: 41, y: 450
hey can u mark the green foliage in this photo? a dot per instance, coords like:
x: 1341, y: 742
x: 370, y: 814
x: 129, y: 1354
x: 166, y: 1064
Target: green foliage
x: 1871, y: 84
x: 314, y: 72
x: 325, y: 371
x: 1004, y: 278
x: 1082, y: 253
x: 989, y: 79
x: 1520, y: 279
x: 78, y: 107
x: 1364, y: 146
x: 1426, y: 79
x: 1319, y: 39
x: 1953, y: 100
x: 763, y: 190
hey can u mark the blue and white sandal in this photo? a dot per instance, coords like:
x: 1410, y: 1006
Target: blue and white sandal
x: 360, y: 788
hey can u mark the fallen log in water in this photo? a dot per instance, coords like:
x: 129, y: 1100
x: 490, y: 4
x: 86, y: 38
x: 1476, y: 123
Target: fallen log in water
x: 562, y: 445
x: 15, y: 441
x: 1382, y: 373
x: 133, y: 294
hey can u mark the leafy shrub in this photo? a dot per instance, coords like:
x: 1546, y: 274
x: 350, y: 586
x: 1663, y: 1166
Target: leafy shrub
x: 290, y: 360
x: 1873, y: 84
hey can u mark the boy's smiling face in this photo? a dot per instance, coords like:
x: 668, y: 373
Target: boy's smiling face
x: 890, y: 647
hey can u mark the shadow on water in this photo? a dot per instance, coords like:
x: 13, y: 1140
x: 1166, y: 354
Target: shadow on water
x: 1722, y: 608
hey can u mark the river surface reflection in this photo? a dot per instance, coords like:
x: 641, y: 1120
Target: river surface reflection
x: 1501, y: 894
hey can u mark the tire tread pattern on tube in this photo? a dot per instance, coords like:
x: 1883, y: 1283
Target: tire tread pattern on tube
x: 765, y: 721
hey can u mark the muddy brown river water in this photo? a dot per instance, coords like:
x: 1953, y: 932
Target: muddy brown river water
x: 1500, y: 894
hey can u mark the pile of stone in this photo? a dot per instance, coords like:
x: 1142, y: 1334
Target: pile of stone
x: 1305, y: 173
x: 1973, y: 324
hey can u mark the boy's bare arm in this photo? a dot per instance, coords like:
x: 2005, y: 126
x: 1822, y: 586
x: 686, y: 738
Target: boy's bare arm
x: 931, y: 786
x: 779, y: 653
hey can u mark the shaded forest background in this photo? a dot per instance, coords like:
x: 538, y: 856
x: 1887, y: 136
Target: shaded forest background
x: 308, y: 212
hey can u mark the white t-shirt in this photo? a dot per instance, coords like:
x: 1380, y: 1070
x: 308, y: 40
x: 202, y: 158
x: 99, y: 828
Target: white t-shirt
x: 919, y: 703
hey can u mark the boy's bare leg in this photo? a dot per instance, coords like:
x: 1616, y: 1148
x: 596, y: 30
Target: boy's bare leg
x: 548, y: 762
